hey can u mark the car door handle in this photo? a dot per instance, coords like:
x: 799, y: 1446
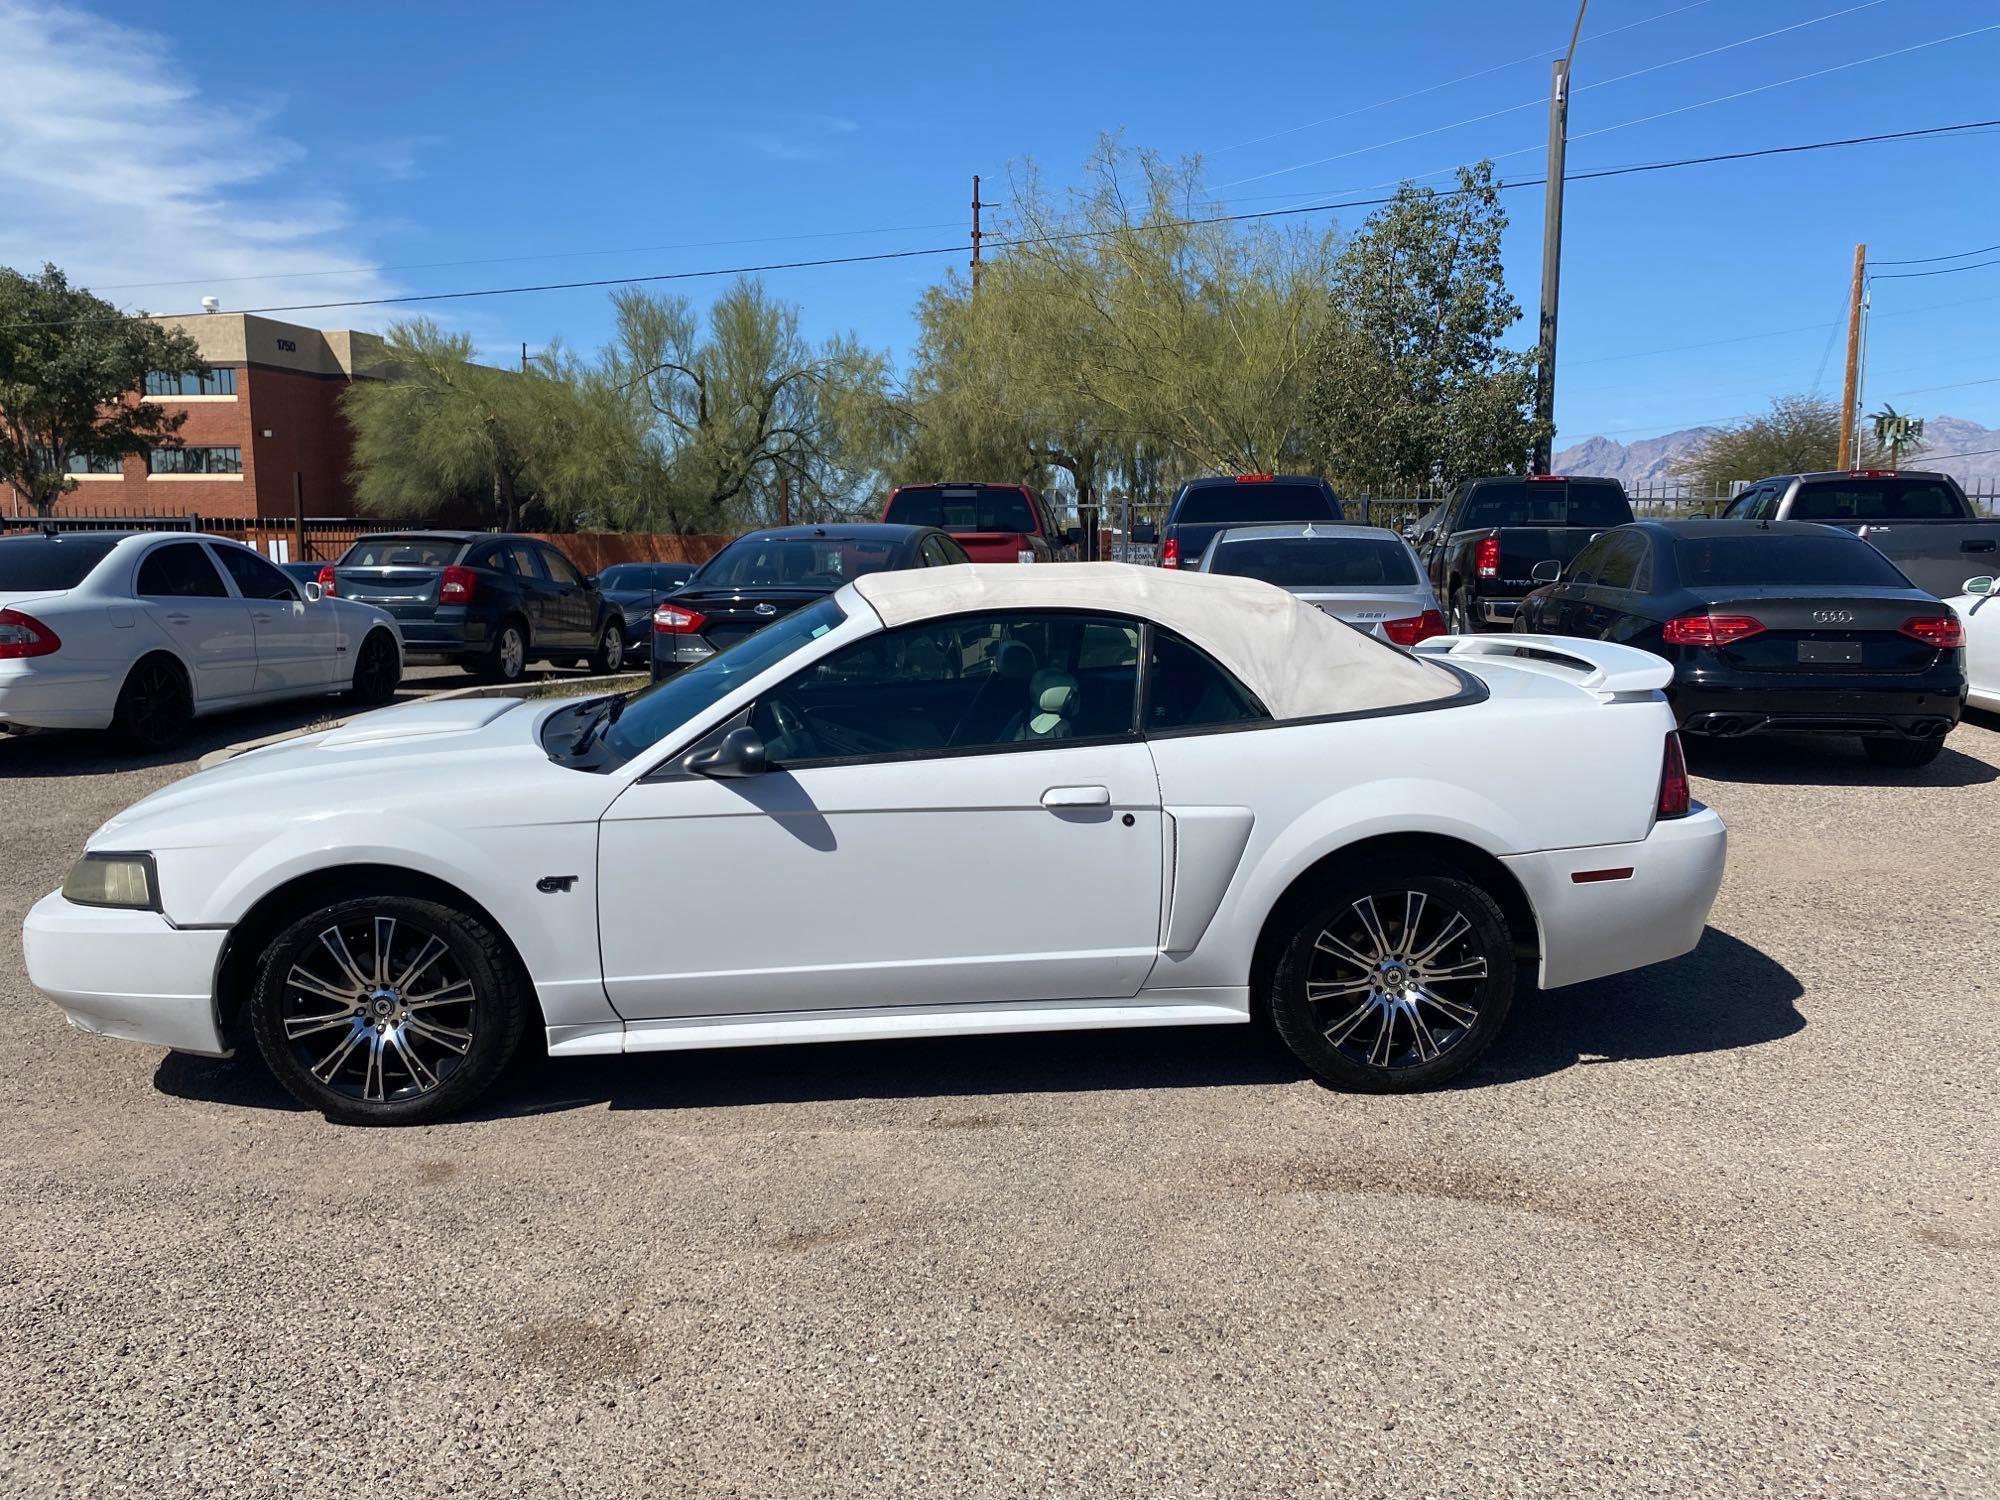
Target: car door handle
x: 1972, y: 546
x: 1076, y: 796
x: 262, y: 619
x: 179, y: 618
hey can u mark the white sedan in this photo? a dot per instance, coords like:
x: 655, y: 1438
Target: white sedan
x: 1981, y: 616
x: 963, y: 800
x: 139, y: 634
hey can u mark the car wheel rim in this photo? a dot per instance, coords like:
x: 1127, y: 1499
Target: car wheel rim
x: 156, y: 704
x: 614, y: 650
x: 379, y: 1010
x: 513, y: 654
x: 1397, y: 979
x: 376, y: 668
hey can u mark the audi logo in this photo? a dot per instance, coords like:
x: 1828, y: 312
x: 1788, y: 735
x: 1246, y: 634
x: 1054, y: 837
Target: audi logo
x: 1833, y: 617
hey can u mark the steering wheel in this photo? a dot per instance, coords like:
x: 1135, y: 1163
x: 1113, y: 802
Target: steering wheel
x: 787, y: 722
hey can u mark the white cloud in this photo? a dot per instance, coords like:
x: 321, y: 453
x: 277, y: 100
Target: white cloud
x: 122, y: 173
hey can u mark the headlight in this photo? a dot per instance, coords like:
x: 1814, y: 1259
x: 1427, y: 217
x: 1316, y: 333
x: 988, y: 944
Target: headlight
x: 114, y: 880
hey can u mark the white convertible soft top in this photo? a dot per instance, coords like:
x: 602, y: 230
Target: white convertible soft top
x: 1298, y: 660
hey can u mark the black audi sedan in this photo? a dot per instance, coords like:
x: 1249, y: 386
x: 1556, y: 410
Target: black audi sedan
x: 766, y: 574
x: 1773, y: 627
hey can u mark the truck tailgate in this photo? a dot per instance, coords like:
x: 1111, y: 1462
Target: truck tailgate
x: 1937, y: 556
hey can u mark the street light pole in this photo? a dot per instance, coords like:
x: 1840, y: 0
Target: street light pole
x: 1552, y: 231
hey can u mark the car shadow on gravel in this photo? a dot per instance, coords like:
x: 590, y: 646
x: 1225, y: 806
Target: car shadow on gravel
x: 1828, y: 762
x: 1724, y: 995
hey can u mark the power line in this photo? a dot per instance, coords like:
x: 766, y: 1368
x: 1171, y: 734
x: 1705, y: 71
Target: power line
x: 1928, y: 260
x: 1977, y: 265
x: 1067, y: 237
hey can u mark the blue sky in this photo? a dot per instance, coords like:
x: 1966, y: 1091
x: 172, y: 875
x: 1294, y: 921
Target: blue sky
x: 275, y: 153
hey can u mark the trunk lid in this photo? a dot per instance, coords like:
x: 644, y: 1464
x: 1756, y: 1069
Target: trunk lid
x: 1366, y: 609
x: 730, y: 615
x: 996, y: 546
x: 1827, y: 630
x: 406, y: 593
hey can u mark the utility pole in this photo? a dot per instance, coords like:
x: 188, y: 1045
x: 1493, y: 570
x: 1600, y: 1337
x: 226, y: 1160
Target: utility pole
x: 976, y: 206
x: 1850, y: 390
x: 784, y: 498
x: 1552, y: 239
x: 524, y: 356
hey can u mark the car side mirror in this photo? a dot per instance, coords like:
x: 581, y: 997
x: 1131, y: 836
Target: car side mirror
x: 1072, y: 536
x: 1145, y: 533
x: 1980, y: 585
x: 739, y: 753
x: 1548, y: 570
x: 314, y: 593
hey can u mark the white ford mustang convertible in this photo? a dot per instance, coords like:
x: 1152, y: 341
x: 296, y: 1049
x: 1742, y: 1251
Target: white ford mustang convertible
x: 961, y: 800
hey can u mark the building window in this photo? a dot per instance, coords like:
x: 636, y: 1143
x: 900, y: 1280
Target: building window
x: 79, y: 464
x: 217, y: 382
x: 197, y: 460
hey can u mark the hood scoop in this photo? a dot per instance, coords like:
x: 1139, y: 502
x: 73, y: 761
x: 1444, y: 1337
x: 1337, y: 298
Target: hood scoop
x: 416, y: 720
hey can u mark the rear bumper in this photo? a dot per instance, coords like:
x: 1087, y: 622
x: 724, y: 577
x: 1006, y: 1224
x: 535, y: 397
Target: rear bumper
x: 1918, y: 706
x: 127, y: 974
x: 40, y: 693
x: 672, y: 652
x: 1499, y: 611
x: 1653, y: 912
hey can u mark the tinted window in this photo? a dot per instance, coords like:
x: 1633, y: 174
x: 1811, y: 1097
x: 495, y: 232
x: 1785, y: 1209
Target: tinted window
x: 255, y: 578
x: 1875, y: 500
x: 401, y: 552
x: 1521, y: 502
x: 968, y: 683
x: 50, y: 562
x: 221, y: 382
x: 963, y: 510
x: 1618, y: 567
x: 804, y: 562
x: 1584, y: 569
x: 560, y: 568
x: 1249, y: 504
x: 196, y: 460
x: 1186, y: 688
x: 652, y: 714
x: 1779, y: 557
x: 1318, y: 562
x: 180, y: 570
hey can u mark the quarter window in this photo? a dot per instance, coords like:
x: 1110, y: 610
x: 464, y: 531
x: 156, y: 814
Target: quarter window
x: 1186, y: 688
x: 180, y: 570
x: 196, y: 461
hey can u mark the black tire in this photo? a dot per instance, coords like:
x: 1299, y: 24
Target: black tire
x: 156, y: 704
x: 378, y: 669
x: 507, y: 658
x: 1458, y: 618
x: 1368, y: 1031
x: 1904, y: 753
x: 388, y: 1054
x: 609, y: 657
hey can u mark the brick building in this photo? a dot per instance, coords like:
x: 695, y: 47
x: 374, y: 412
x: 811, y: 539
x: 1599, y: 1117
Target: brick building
x: 266, y: 416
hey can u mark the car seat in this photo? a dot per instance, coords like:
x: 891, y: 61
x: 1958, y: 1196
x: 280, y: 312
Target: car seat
x: 1053, y: 703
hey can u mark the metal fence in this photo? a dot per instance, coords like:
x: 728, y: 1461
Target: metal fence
x: 282, y: 538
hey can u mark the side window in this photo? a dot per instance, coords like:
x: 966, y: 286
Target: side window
x: 1642, y: 576
x: 1740, y: 508
x: 560, y: 568
x: 1766, y: 508
x: 928, y: 552
x: 526, y: 562
x: 951, y: 552
x: 1585, y: 568
x: 981, y: 682
x: 180, y: 571
x: 1620, y: 563
x: 1186, y: 688
x: 255, y: 578
x: 499, y: 559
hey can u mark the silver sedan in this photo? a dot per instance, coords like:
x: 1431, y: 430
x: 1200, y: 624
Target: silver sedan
x: 1366, y: 575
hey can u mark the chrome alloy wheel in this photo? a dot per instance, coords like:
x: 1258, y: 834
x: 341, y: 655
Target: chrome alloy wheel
x: 513, y: 654
x: 1396, y: 979
x: 378, y: 1010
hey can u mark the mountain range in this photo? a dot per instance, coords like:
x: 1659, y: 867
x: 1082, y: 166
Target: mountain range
x: 1651, y: 461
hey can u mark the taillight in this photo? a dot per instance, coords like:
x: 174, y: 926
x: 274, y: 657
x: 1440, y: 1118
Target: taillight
x: 1674, y: 798
x: 326, y: 581
x: 24, y: 636
x: 1170, y: 553
x: 1407, y: 632
x: 677, y: 619
x: 1486, y: 558
x: 457, y: 584
x: 1710, y: 630
x: 1945, y: 632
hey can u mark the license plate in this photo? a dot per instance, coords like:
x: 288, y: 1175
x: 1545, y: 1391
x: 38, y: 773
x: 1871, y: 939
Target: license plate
x: 1830, y: 651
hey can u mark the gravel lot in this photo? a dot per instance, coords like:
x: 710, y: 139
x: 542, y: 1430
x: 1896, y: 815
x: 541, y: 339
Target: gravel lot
x: 1727, y: 1226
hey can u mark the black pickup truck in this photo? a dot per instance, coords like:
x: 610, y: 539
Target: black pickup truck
x: 1921, y: 522
x: 1480, y: 548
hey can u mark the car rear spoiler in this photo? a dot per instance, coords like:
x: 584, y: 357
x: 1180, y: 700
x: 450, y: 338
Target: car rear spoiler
x: 1611, y: 671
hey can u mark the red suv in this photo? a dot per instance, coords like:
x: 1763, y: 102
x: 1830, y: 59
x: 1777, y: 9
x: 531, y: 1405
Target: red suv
x: 992, y: 522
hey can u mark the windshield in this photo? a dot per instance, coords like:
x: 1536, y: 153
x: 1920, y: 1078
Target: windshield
x: 653, y: 713
x: 1248, y: 503
x: 1567, y: 502
x: 963, y: 511
x: 50, y: 562
x: 1294, y: 562
x: 824, y: 562
x: 1876, y: 500
x: 1733, y: 561
x: 402, y: 552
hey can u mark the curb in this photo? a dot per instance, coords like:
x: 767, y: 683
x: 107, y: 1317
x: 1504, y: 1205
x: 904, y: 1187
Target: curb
x: 541, y: 687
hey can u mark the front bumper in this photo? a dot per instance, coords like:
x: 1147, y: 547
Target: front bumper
x: 1654, y: 911
x: 127, y: 974
x: 1918, y: 707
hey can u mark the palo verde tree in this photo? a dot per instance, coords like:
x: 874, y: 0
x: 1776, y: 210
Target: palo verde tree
x: 1800, y: 434
x: 1411, y: 383
x: 739, y: 418
x: 72, y: 368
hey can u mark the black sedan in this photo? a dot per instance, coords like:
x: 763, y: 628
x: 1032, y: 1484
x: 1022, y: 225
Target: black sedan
x: 1775, y: 627
x: 766, y: 574
x: 636, y: 589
